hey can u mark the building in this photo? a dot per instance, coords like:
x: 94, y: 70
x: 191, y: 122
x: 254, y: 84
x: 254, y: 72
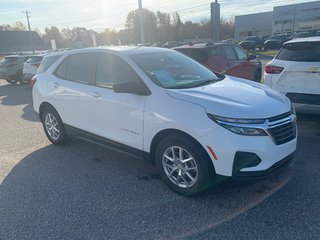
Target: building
x: 19, y: 41
x: 290, y: 19
x: 253, y: 25
x: 296, y: 18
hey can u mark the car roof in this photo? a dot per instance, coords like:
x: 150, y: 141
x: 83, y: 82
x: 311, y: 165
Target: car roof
x: 126, y: 50
x: 307, y: 39
x: 203, y: 45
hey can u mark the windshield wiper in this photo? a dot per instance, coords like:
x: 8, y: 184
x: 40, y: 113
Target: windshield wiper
x: 207, y: 82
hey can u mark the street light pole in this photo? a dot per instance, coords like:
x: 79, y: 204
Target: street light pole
x: 141, y: 23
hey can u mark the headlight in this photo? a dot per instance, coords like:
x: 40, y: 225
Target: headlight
x: 240, y: 126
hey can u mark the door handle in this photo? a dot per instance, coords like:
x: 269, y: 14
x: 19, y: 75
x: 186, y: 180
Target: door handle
x: 95, y: 94
x: 55, y: 85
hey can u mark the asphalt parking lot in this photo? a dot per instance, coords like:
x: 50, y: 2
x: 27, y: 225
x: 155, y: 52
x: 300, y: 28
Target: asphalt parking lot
x: 85, y: 191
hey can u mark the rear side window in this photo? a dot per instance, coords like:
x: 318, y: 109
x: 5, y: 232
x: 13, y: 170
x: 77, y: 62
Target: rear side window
x: 47, y: 62
x: 214, y: 52
x: 300, y: 52
x: 196, y: 54
x: 77, y: 68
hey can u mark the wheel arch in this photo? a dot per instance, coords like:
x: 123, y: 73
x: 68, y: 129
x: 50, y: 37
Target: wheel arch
x: 174, y: 132
x: 43, y: 106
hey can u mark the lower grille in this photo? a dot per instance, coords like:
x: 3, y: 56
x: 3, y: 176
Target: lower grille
x: 283, y: 133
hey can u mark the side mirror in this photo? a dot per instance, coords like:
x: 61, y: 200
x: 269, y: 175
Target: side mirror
x: 136, y: 88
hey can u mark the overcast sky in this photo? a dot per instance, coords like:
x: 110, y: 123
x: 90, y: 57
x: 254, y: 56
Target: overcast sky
x: 100, y: 14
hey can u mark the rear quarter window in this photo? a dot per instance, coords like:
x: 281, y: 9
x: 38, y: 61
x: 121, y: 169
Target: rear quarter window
x: 47, y: 62
x: 300, y: 52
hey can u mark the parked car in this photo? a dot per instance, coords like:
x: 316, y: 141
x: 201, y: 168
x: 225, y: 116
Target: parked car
x: 251, y: 43
x: 30, y: 68
x: 225, y: 58
x: 302, y: 35
x: 160, y: 105
x: 295, y: 72
x: 275, y: 41
x: 172, y: 44
x: 11, y: 68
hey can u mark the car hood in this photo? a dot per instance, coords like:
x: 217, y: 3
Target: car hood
x: 235, y: 98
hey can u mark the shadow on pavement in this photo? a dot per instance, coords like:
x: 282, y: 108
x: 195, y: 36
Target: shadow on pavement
x: 17, y: 94
x: 84, y: 191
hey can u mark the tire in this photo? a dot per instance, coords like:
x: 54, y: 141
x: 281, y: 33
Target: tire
x: 53, y: 126
x: 185, y: 178
x: 257, y: 76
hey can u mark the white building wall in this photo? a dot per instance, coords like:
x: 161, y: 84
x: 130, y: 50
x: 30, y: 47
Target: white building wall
x: 253, y: 24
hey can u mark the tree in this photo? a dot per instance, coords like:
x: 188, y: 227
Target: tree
x: 17, y: 26
x: 53, y: 33
x: 150, y: 24
x: 177, y: 26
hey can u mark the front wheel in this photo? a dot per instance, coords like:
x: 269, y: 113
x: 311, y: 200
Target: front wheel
x: 184, y: 165
x: 53, y: 126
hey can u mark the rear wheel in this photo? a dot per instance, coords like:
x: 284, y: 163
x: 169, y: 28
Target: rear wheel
x: 53, y: 126
x: 183, y: 164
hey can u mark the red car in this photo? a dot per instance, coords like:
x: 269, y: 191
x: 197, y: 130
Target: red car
x: 225, y: 58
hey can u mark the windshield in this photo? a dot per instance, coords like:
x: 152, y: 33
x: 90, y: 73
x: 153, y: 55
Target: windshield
x: 300, y: 51
x: 174, y: 70
x: 250, y: 38
x: 276, y: 37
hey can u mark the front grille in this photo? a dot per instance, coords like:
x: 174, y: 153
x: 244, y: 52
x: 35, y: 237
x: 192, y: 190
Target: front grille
x: 283, y: 133
x: 279, y: 117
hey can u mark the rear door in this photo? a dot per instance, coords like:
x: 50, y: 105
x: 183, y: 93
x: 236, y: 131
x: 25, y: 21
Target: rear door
x: 69, y: 89
x: 215, y: 59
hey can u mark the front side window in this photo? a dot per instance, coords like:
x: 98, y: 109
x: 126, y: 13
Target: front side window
x: 174, y: 70
x: 229, y: 53
x: 242, y: 55
x: 301, y: 52
x: 112, y: 69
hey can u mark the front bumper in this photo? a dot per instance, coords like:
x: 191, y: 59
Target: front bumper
x: 226, y: 145
x: 278, y: 166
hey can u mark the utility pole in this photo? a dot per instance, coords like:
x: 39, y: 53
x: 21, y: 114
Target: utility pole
x: 141, y: 23
x: 30, y: 33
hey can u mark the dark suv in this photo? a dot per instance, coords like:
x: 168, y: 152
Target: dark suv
x: 225, y: 58
x: 251, y: 42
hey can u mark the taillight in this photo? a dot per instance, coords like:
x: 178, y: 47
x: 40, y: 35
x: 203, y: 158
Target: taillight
x: 273, y: 69
x: 33, y: 80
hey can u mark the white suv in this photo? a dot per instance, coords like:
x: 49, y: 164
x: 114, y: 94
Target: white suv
x: 160, y: 105
x: 295, y: 72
